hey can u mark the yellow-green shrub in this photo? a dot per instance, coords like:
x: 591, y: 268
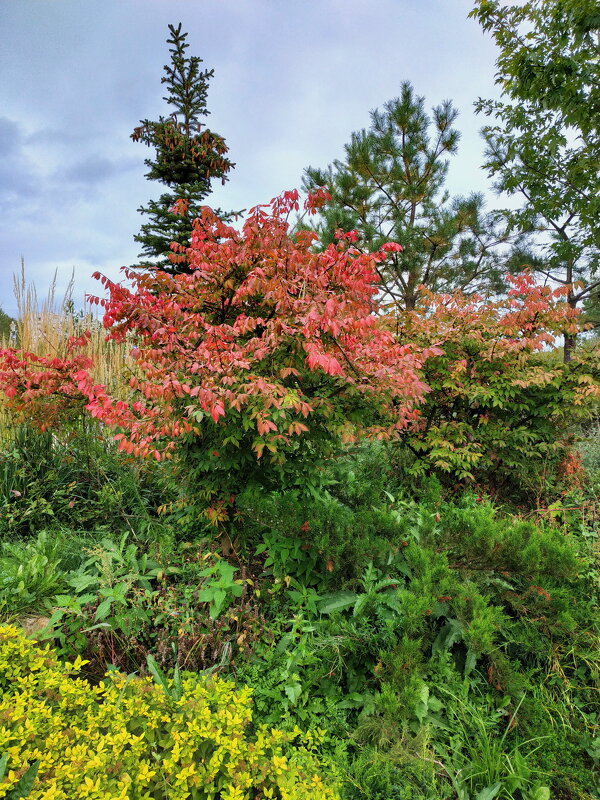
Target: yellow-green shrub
x: 127, y: 739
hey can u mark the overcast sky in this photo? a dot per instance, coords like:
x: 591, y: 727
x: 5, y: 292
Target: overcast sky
x: 293, y: 79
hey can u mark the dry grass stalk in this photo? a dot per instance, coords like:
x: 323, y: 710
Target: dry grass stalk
x: 44, y: 327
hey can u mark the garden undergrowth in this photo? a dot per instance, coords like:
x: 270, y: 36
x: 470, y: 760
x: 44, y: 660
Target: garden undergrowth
x: 447, y: 647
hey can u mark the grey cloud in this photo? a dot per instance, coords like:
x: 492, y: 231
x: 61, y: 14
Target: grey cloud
x: 292, y: 81
x: 11, y: 137
x: 55, y: 136
x: 17, y: 185
x: 95, y: 169
x: 17, y: 176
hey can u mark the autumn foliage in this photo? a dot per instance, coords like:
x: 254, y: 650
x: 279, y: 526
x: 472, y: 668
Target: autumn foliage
x: 259, y: 359
x: 501, y: 405
x: 250, y: 368
x: 45, y: 390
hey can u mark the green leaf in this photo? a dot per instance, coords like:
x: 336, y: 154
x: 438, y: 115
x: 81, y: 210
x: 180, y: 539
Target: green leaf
x: 470, y: 662
x: 177, y: 686
x: 337, y: 602
x: 489, y: 792
x: 217, y: 603
x: 81, y: 582
x: 157, y: 674
x: 119, y: 592
x: 540, y: 793
x: 293, y: 691
x: 352, y: 700
x: 391, y: 600
x: 103, y: 609
x: 25, y: 784
x: 285, y: 641
x: 360, y: 604
x: 451, y: 633
x: 422, y: 705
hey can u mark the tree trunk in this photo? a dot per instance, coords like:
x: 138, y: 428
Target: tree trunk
x: 570, y: 339
x: 568, y: 347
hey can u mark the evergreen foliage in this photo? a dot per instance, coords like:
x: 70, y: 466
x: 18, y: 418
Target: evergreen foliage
x: 188, y: 156
x: 390, y: 186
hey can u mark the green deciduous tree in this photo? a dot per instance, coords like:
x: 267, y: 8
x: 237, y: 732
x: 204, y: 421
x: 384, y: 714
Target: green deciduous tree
x: 543, y: 142
x: 390, y: 187
x: 5, y: 325
x: 188, y: 156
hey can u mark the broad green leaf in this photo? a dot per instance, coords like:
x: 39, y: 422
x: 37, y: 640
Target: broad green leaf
x: 293, y: 691
x: 451, y: 633
x: 489, y: 792
x: 103, y: 609
x: 337, y: 602
x: 25, y: 784
x: 157, y: 673
x: 470, y: 662
x: 540, y: 793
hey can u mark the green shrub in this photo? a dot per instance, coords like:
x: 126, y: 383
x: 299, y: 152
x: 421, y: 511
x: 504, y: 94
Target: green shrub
x: 113, y: 603
x: 418, y: 652
x: 76, y: 480
x: 478, y: 538
x: 130, y: 738
x: 323, y: 539
x: 29, y: 575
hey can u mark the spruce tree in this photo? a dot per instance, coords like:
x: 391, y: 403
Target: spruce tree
x: 188, y: 156
x: 390, y: 186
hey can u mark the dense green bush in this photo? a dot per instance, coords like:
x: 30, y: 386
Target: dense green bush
x: 449, y: 648
x: 107, y: 600
x: 76, y: 479
x: 449, y: 645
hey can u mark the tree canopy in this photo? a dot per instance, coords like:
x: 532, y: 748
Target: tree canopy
x: 542, y: 138
x: 5, y: 325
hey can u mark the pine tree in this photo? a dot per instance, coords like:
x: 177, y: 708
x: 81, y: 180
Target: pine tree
x: 390, y: 187
x: 188, y: 156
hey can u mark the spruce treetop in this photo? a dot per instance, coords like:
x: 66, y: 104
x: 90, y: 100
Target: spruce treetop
x: 188, y: 156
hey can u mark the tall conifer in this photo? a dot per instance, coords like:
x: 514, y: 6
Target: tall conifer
x: 188, y: 156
